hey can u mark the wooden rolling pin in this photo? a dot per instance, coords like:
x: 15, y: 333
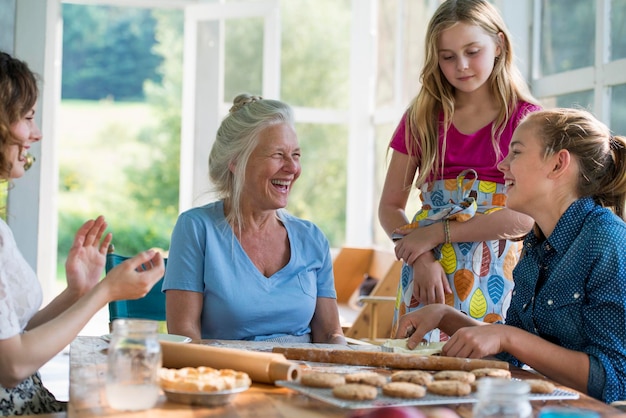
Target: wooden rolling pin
x: 261, y: 367
x: 391, y: 360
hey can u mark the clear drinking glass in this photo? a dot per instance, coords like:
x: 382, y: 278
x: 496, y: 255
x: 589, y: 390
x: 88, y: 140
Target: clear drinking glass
x: 134, y: 358
x: 502, y: 398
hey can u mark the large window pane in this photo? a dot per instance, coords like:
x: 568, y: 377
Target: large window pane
x: 580, y: 99
x: 618, y: 29
x: 243, y: 57
x: 127, y: 114
x: 618, y: 109
x: 567, y: 35
x: 316, y: 53
x: 383, y: 154
x: 411, y: 23
x: 319, y: 195
x: 387, y: 47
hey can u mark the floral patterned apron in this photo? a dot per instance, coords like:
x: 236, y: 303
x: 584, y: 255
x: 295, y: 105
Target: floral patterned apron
x: 480, y: 273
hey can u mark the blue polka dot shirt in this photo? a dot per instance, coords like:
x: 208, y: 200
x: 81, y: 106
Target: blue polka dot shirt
x: 570, y: 289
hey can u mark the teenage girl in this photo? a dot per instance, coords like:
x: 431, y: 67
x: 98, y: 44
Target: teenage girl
x: 567, y: 318
x: 460, y: 248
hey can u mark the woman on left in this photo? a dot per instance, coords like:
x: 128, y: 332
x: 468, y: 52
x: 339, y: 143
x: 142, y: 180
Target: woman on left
x: 29, y: 337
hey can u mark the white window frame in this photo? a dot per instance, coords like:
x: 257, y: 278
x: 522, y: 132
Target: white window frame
x: 37, y: 40
x: 600, y: 77
x: 203, y: 105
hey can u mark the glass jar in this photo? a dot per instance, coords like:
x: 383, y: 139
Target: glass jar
x: 502, y: 398
x: 134, y: 359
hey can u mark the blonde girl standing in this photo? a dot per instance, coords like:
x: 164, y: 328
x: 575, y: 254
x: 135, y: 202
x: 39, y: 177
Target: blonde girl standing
x: 458, y: 250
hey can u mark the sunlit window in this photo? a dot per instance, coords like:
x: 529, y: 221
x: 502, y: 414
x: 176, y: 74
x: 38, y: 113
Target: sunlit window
x: 618, y: 29
x: 618, y: 109
x: 567, y: 35
x: 579, y: 99
x: 580, y: 60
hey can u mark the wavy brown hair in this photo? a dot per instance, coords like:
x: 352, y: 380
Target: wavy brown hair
x: 18, y: 95
x: 436, y: 95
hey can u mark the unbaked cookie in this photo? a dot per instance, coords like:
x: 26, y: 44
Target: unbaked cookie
x: 355, y: 391
x: 418, y: 377
x: 458, y: 375
x: 322, y: 380
x: 449, y: 388
x: 366, y: 378
x: 404, y: 390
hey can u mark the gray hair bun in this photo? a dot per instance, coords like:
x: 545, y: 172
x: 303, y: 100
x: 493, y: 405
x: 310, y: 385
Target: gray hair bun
x: 242, y: 100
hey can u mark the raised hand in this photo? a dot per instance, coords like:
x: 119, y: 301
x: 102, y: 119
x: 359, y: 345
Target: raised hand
x: 87, y: 256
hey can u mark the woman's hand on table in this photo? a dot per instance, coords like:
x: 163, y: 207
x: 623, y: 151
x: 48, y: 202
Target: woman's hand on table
x: 476, y: 341
x: 415, y: 325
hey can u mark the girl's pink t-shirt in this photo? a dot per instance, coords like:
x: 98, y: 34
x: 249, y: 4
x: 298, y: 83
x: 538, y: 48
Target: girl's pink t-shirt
x: 470, y: 151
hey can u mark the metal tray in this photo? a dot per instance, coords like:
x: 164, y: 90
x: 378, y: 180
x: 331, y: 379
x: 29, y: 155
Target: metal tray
x: 326, y: 395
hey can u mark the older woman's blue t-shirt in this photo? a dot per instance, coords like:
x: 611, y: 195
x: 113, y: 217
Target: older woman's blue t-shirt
x: 240, y: 303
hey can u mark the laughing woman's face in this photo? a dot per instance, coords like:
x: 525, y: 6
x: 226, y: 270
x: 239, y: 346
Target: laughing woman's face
x: 27, y: 132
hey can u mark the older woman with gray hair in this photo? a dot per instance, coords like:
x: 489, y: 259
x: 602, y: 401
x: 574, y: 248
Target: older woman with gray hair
x: 243, y: 268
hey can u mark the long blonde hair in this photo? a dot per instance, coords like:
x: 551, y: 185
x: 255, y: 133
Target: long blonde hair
x: 437, y: 94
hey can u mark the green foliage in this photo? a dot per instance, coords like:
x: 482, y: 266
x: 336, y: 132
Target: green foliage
x: 316, y: 53
x: 157, y: 188
x: 140, y: 201
x: 319, y: 194
x: 244, y: 57
x: 3, y: 200
x: 93, y: 177
x: 107, y: 52
x: 130, y: 236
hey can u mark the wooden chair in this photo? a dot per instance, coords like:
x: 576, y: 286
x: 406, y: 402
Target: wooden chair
x: 373, y: 324
x: 151, y: 306
x: 351, y: 265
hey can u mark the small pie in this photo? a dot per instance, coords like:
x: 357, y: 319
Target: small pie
x: 202, y: 379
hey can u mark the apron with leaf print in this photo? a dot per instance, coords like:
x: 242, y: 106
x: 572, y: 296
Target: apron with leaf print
x: 480, y: 273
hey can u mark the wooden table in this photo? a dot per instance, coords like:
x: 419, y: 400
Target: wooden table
x: 87, y: 398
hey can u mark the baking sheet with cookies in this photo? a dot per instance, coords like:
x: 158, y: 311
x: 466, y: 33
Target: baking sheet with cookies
x: 326, y: 395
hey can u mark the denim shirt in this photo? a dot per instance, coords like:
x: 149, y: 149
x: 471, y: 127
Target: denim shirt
x: 570, y: 289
